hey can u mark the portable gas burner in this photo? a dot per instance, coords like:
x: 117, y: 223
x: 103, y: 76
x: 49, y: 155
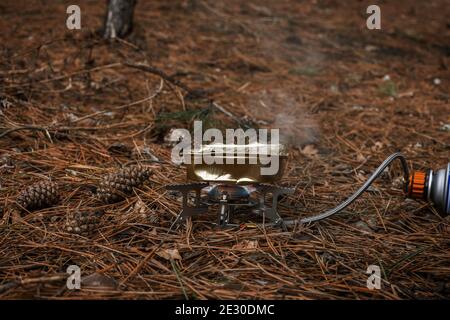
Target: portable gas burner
x: 232, y: 185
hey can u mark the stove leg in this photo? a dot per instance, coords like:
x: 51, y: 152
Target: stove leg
x: 224, y: 212
x: 274, y: 217
x: 189, y: 211
x: 272, y: 212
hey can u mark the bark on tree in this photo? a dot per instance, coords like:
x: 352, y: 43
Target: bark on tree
x: 119, y: 18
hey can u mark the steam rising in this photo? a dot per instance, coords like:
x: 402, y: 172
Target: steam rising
x: 296, y: 130
x: 286, y: 112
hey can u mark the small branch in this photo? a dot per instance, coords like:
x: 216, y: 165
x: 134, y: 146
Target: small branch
x: 146, y: 68
x: 33, y: 128
x: 61, y: 129
x: 17, y: 283
x: 123, y: 106
x: 225, y: 111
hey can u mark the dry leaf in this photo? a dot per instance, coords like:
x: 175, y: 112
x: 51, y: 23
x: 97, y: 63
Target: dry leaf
x: 363, y: 227
x: 246, y: 245
x: 169, y: 254
x: 99, y: 281
x: 377, y: 146
x: 310, y: 151
x: 140, y: 207
x: 360, y: 158
x: 406, y: 94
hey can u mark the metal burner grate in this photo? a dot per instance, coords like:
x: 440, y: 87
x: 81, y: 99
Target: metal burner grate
x: 229, y: 197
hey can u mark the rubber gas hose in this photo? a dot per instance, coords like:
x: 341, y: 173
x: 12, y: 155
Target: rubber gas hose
x: 358, y: 193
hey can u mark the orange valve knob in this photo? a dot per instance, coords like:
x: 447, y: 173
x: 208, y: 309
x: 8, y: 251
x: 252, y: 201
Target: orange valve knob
x: 417, y: 188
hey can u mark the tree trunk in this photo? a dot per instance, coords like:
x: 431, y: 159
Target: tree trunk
x: 119, y: 18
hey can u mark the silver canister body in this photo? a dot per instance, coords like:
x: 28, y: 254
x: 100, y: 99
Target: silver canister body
x: 439, y: 189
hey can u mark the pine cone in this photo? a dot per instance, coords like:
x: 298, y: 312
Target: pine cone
x: 39, y: 195
x: 83, y: 223
x: 116, y: 186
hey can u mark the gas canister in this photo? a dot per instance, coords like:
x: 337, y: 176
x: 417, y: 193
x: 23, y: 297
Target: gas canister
x: 432, y: 186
